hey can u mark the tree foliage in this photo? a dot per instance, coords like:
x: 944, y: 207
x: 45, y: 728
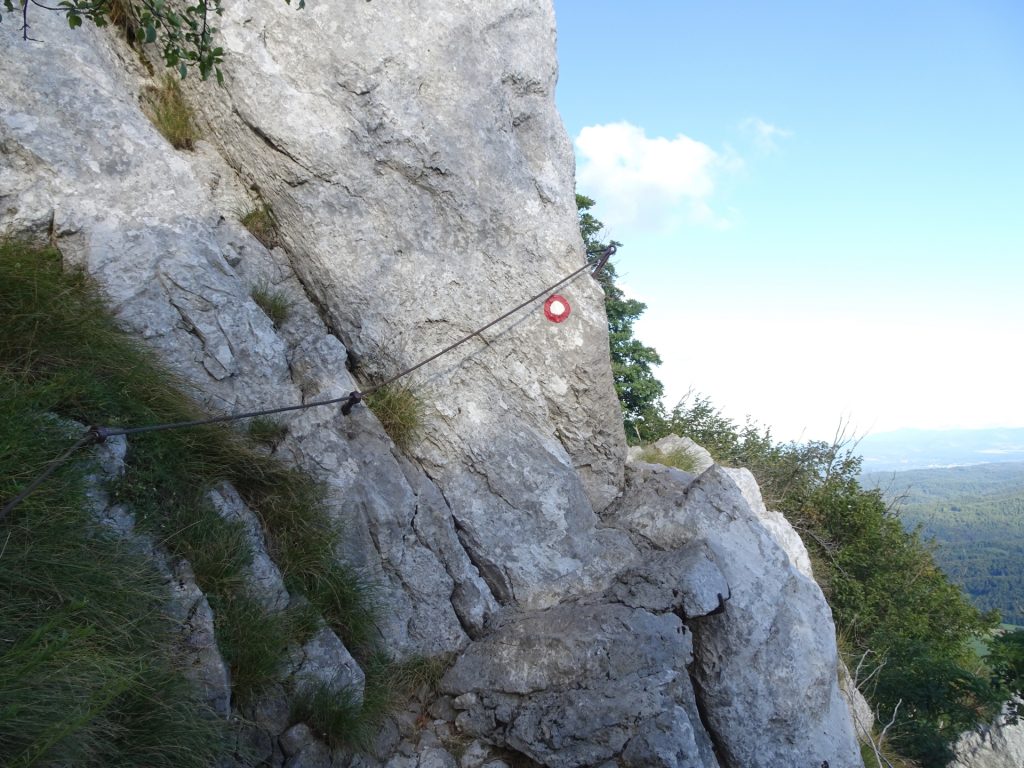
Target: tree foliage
x: 1006, y: 657
x: 638, y: 389
x: 185, y: 33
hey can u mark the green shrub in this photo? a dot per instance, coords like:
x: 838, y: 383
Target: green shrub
x: 171, y: 114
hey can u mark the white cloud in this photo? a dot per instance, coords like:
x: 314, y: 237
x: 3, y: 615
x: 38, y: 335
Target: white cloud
x: 653, y: 183
x: 766, y: 136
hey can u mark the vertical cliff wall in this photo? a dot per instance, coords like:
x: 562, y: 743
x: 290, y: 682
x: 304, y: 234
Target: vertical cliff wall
x: 423, y: 184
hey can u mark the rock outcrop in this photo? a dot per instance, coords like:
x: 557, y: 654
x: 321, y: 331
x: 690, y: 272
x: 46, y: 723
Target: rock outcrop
x: 601, y: 613
x: 1001, y: 745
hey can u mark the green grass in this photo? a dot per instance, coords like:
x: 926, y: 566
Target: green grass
x: 171, y: 114
x: 267, y: 432
x: 74, y: 603
x: 400, y: 412
x: 87, y: 668
x: 274, y: 303
x: 679, y: 459
x: 261, y: 223
x: 342, y: 721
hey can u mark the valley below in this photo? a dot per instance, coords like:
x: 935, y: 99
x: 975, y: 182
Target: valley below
x: 974, y: 514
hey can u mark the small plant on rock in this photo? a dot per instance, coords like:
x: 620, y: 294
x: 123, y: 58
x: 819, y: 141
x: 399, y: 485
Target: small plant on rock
x: 171, y: 114
x: 262, y: 225
x: 267, y: 431
x: 400, y: 412
x: 273, y: 302
x: 680, y: 459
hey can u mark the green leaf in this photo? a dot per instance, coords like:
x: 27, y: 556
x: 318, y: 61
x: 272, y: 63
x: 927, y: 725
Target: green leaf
x: 150, y: 33
x: 182, y: 70
x: 74, y: 20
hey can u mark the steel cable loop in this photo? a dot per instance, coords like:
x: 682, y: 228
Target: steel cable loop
x: 98, y: 434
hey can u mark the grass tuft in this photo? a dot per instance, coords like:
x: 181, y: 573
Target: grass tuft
x: 400, y: 412
x: 171, y: 114
x: 262, y: 224
x: 266, y: 431
x: 274, y: 303
x: 680, y: 459
x: 255, y: 643
x: 342, y: 721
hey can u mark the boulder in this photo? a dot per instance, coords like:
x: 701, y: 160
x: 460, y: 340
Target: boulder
x: 583, y: 683
x: 765, y: 669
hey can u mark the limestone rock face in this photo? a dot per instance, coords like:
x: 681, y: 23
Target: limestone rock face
x: 423, y: 185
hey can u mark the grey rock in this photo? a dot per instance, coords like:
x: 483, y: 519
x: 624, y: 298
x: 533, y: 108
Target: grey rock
x: 860, y: 710
x: 999, y: 745
x: 570, y: 685
x: 393, y: 138
x: 204, y: 665
x: 262, y: 578
x: 765, y: 667
x: 270, y: 712
x: 532, y: 551
x: 324, y: 662
x: 295, y: 739
x: 303, y: 750
x: 774, y: 522
x: 685, y: 580
x: 475, y: 755
x: 436, y: 757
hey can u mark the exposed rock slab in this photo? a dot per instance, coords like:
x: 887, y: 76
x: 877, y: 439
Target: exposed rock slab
x: 581, y: 684
x: 766, y: 665
x: 423, y: 184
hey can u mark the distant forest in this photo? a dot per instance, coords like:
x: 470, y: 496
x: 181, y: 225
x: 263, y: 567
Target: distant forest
x: 975, y: 514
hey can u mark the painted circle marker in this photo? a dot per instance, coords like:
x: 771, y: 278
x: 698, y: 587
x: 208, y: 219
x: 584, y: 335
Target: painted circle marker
x: 556, y: 308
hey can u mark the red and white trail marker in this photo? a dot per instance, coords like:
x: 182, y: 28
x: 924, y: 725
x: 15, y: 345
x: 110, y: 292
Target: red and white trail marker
x: 556, y: 308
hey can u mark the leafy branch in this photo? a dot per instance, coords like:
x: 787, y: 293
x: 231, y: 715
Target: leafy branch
x: 186, y: 36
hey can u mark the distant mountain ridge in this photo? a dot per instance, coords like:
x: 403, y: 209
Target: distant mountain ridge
x: 921, y: 449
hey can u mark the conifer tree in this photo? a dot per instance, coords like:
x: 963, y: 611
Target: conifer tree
x: 638, y: 389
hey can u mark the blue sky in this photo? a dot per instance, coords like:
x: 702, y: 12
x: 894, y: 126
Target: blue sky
x: 821, y: 203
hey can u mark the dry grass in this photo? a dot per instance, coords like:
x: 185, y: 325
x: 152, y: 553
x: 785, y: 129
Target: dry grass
x: 170, y: 113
